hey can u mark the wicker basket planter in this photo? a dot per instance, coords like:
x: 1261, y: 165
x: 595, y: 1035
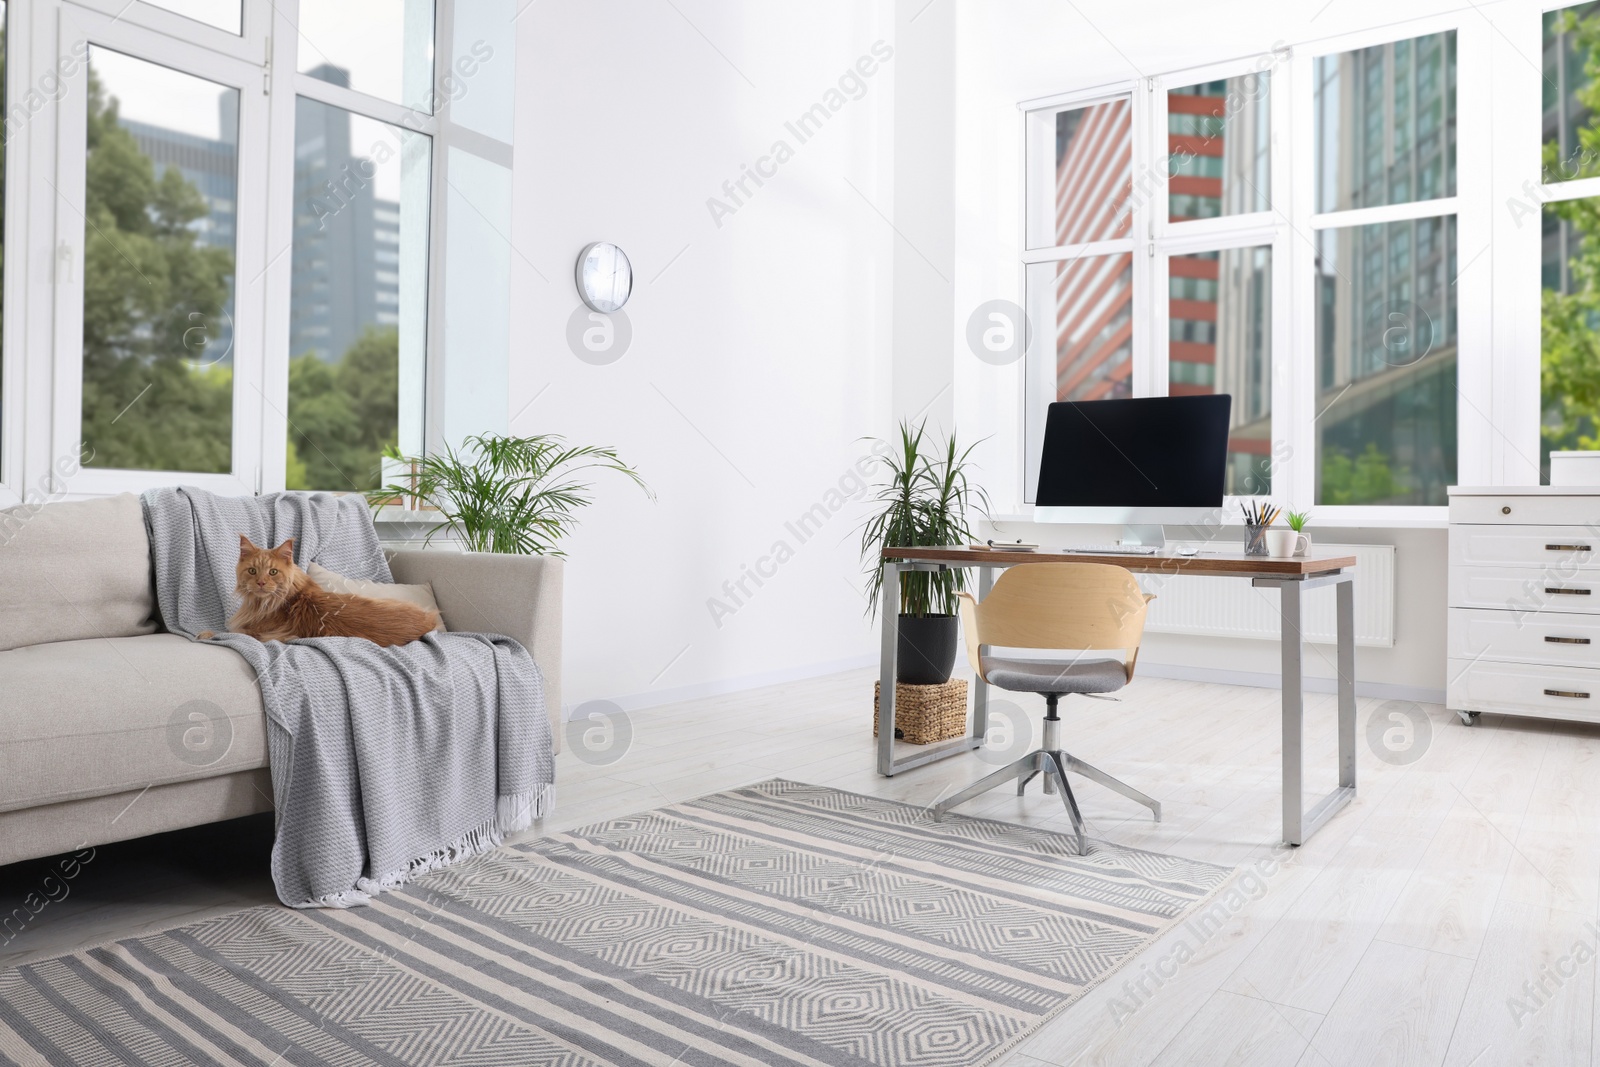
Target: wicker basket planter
x: 924, y: 714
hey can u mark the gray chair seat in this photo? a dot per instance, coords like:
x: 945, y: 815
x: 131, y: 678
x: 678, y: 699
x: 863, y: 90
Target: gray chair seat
x: 1055, y: 676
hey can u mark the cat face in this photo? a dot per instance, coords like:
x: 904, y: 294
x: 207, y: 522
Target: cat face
x: 265, y: 573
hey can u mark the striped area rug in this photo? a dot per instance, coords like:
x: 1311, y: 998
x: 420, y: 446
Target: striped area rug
x: 779, y: 924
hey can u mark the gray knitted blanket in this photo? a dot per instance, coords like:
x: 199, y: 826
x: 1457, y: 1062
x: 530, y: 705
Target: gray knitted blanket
x: 386, y: 762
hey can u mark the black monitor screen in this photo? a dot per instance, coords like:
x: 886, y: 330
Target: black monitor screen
x: 1152, y: 452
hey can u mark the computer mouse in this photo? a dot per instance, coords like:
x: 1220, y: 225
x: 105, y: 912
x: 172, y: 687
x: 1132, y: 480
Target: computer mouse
x: 1188, y: 550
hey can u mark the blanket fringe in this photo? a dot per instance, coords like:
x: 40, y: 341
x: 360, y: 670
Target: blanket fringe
x: 512, y: 813
x: 519, y: 810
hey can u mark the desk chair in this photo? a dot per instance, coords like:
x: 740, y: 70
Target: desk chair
x: 1092, y: 607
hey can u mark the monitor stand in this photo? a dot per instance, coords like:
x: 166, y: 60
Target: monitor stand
x: 1148, y: 535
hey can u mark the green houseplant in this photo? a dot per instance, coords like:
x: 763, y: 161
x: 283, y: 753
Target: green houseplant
x: 500, y: 493
x: 924, y: 500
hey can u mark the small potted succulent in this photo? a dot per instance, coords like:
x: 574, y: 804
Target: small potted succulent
x: 1297, y: 522
x: 924, y: 501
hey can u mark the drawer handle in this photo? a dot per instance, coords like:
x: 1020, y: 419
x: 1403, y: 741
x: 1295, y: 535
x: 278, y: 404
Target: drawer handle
x: 1566, y: 548
x: 1559, y: 591
x: 1567, y: 640
x: 1565, y: 693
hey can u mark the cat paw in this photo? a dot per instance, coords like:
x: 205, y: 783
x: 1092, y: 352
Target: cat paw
x: 206, y: 635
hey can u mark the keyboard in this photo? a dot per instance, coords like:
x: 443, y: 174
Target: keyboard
x: 1112, y: 550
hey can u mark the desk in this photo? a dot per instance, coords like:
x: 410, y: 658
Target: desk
x: 1291, y: 577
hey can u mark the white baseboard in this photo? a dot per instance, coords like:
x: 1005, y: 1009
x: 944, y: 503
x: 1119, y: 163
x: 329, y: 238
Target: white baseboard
x: 1313, y: 684
x: 656, y: 697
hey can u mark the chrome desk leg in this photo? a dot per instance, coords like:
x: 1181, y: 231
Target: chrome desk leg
x: 1293, y: 714
x: 1346, y: 593
x: 980, y: 688
x: 889, y: 605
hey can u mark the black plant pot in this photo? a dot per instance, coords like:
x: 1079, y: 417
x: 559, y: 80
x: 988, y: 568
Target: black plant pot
x: 927, y: 649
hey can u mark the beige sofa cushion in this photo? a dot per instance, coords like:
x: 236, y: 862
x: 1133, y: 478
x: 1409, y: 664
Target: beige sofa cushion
x: 88, y: 718
x: 74, y: 571
x: 420, y: 595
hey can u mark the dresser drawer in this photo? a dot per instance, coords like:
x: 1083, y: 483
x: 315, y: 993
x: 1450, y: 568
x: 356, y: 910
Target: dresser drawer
x: 1509, y: 636
x: 1564, y: 549
x: 1582, y: 511
x: 1524, y: 589
x: 1525, y: 689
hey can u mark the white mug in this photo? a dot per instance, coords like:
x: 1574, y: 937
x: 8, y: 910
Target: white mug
x: 1281, y: 544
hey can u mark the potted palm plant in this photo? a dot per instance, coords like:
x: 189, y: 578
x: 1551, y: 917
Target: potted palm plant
x: 923, y: 501
x: 518, y: 495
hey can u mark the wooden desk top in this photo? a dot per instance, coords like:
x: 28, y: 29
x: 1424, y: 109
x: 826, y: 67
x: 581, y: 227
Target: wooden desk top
x: 1218, y: 560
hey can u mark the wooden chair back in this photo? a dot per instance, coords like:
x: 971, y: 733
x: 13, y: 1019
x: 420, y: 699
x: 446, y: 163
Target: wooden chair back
x: 1073, y: 606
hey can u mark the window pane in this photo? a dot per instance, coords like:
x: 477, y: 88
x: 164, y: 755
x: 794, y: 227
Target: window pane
x: 1570, y: 329
x: 357, y: 312
x: 1386, y: 363
x: 1080, y: 174
x: 223, y: 14
x: 1386, y: 123
x: 483, y: 73
x: 1570, y: 36
x: 158, y: 271
x: 380, y: 47
x: 1217, y: 140
x: 1220, y: 315
x: 1090, y: 303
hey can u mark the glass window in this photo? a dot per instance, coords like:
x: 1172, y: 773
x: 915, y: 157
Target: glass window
x: 480, y: 82
x: 1386, y: 123
x: 1219, y: 305
x: 223, y: 14
x: 158, y: 277
x: 1569, y: 331
x: 1090, y: 302
x: 357, y: 312
x: 383, y: 48
x: 1217, y: 144
x: 1386, y: 363
x: 1571, y: 146
x: 1081, y: 183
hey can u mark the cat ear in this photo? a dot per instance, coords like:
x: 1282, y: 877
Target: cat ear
x: 245, y: 546
x: 286, y: 550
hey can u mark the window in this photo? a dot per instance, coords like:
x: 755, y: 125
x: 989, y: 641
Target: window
x: 350, y: 331
x: 1218, y: 139
x: 1088, y: 303
x: 1569, y: 94
x: 1385, y: 426
x: 223, y: 14
x: 1219, y: 314
x: 1386, y: 123
x: 382, y: 48
x: 240, y: 278
x: 1081, y: 176
x: 159, y: 267
x: 1386, y: 363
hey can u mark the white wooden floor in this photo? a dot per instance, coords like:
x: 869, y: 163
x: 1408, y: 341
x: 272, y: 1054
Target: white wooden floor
x: 1450, y: 916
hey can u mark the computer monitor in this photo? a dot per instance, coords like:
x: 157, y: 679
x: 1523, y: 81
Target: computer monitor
x: 1140, y: 462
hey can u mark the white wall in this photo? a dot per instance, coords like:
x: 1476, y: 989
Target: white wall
x: 760, y: 348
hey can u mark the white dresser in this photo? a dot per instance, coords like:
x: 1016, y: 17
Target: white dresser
x: 1524, y: 629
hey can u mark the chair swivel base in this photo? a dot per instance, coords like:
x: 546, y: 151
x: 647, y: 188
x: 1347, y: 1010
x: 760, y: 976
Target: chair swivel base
x: 1053, y: 764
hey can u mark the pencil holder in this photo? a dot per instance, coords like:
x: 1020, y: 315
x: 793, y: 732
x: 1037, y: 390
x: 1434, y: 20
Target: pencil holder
x: 1255, y: 539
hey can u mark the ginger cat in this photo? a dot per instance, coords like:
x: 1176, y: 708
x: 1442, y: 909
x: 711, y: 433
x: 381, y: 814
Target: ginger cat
x: 280, y: 602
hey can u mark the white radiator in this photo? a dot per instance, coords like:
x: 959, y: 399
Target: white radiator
x: 1232, y: 607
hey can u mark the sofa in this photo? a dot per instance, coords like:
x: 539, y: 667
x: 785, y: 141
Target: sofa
x: 112, y: 728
